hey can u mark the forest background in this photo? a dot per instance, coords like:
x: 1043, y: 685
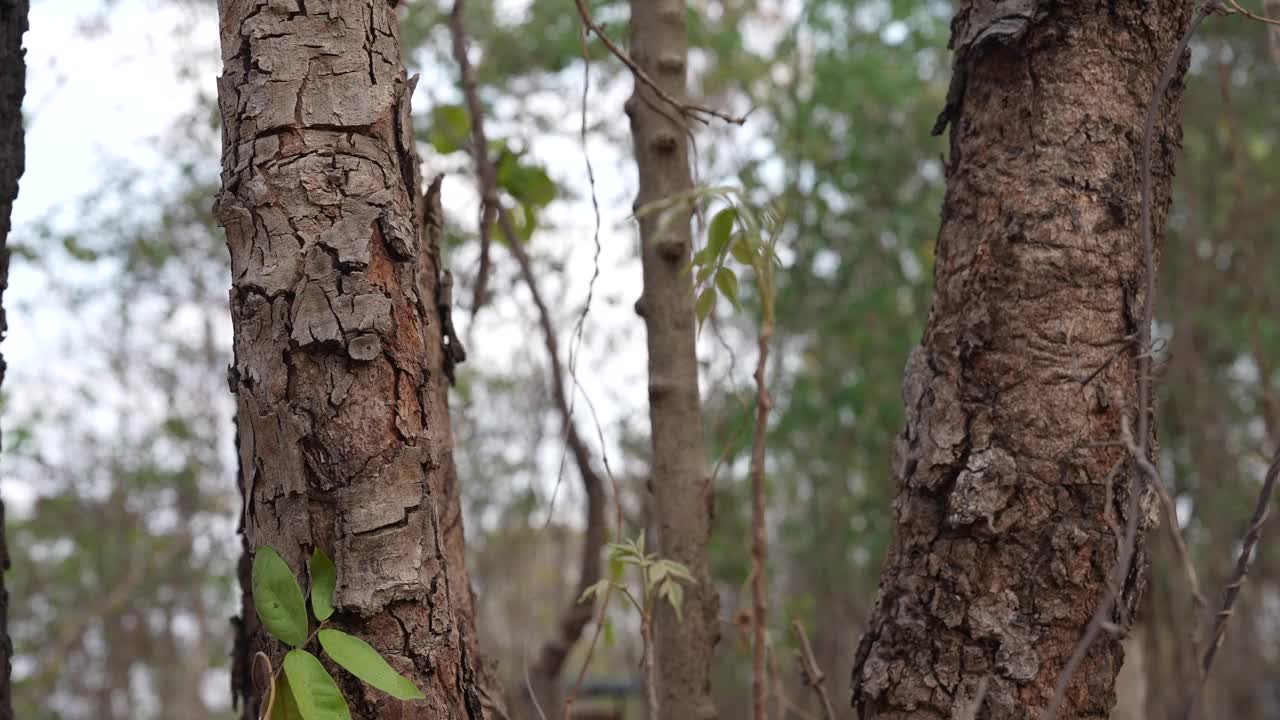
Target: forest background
x: 119, y: 463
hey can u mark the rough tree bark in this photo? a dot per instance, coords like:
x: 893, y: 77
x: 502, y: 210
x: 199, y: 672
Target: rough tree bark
x: 1005, y: 520
x: 680, y: 480
x: 340, y: 365
x: 13, y: 78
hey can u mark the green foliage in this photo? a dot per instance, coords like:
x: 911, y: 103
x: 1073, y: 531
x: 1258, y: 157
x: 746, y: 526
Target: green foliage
x: 306, y: 690
x: 740, y: 233
x: 324, y: 578
x: 450, y: 128
x: 361, y: 660
x: 278, y: 599
x: 660, y: 578
x: 313, y: 689
x: 283, y: 704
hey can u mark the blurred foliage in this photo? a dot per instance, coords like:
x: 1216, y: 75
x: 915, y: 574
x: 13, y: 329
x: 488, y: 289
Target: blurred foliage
x: 123, y: 561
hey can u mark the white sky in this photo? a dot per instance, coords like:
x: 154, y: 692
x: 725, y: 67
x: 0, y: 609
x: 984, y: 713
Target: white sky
x: 80, y: 114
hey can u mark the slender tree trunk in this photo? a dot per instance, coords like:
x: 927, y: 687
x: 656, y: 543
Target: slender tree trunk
x: 1005, y: 520
x: 340, y: 368
x: 13, y: 78
x: 680, y: 482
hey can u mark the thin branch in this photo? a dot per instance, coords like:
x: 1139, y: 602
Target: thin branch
x: 486, y: 175
x: 1101, y: 616
x: 575, y: 618
x: 1232, y: 592
x: 810, y: 672
x: 698, y: 112
x: 759, y: 538
x: 1252, y: 16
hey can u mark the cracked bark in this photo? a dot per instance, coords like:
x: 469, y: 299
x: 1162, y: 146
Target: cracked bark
x: 680, y: 479
x: 339, y: 376
x: 1004, y: 531
x: 13, y: 76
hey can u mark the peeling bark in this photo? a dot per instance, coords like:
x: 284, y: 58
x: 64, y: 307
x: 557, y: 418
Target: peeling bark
x: 680, y: 481
x: 13, y: 78
x: 339, y: 366
x: 1005, y: 517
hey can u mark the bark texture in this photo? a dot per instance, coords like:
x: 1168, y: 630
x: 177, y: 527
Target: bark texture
x: 339, y: 357
x: 13, y: 78
x: 1006, y: 523
x: 680, y: 482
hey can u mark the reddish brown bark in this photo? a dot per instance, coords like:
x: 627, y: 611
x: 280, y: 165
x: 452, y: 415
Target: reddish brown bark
x: 1005, y: 524
x: 340, y: 369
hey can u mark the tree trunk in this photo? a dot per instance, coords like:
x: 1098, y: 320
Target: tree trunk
x: 340, y: 370
x: 1005, y: 527
x: 680, y: 482
x: 13, y: 78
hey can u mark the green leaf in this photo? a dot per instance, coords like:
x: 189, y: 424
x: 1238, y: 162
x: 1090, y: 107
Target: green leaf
x: 656, y: 574
x: 278, y: 599
x: 721, y: 231
x: 594, y: 590
x: 285, y: 706
x: 450, y: 128
x: 361, y: 660
x: 610, y: 637
x: 529, y: 184
x: 743, y: 250
x: 703, y: 273
x: 324, y: 578
x: 316, y: 693
x: 78, y: 251
x: 727, y: 281
x: 706, y: 303
x: 674, y: 592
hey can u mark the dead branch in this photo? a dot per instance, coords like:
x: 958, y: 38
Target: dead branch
x: 575, y: 618
x: 810, y: 672
x: 1232, y: 592
x: 698, y: 112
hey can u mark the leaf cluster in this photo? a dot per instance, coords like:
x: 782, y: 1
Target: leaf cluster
x: 306, y: 690
x: 660, y: 578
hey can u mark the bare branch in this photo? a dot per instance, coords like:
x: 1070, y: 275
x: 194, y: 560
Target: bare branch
x: 697, y: 112
x: 1232, y: 592
x: 809, y: 670
x: 575, y: 618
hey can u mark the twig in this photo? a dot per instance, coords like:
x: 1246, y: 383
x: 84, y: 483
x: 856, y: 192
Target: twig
x: 650, y: 673
x: 1100, y: 619
x: 1232, y: 592
x: 1252, y: 16
x: 575, y: 618
x: 486, y: 175
x: 697, y: 112
x: 759, y: 538
x: 809, y: 670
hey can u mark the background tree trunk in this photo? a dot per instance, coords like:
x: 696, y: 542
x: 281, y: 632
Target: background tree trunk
x: 339, y: 361
x: 680, y: 480
x: 13, y: 77
x: 1005, y: 527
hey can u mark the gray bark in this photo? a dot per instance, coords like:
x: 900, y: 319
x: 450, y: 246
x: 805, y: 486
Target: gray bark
x: 339, y: 357
x: 680, y: 481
